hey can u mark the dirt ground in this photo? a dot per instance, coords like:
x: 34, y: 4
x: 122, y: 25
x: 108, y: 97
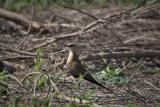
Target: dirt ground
x: 138, y: 34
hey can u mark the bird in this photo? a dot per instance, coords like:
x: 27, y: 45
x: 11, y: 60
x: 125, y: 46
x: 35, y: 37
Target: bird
x: 76, y: 69
x: 7, y: 66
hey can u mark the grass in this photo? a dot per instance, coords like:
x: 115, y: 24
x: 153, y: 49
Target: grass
x: 19, y: 4
x: 4, y: 79
x: 40, y: 83
x: 42, y: 88
x: 130, y: 104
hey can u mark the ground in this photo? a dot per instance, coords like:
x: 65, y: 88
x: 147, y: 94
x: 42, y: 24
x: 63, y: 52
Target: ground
x: 139, y: 34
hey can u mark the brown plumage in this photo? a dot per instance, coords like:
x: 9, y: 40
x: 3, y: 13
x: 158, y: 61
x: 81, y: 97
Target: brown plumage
x: 76, y: 69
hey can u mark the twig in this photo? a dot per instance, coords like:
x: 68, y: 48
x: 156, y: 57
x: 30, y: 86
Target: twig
x: 150, y: 84
x: 30, y: 55
x: 90, y: 27
x: 53, y: 39
x: 33, y: 73
x: 36, y: 82
x: 18, y: 51
x: 133, y: 74
x: 15, y: 57
x: 65, y: 25
x: 142, y: 54
x: 31, y: 22
x: 76, y: 100
x: 134, y: 39
x: 40, y: 74
x: 19, y: 44
x: 20, y: 83
x: 83, y: 12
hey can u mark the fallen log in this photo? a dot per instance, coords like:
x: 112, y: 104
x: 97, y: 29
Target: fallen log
x: 19, y: 19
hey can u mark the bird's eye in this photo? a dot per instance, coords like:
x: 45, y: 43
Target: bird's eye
x: 69, y: 45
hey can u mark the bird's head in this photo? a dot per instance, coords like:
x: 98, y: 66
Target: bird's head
x: 70, y: 46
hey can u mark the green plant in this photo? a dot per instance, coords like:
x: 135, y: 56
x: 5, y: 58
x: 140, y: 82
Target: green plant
x: 40, y: 102
x: 40, y: 83
x: 158, y: 105
x: 110, y: 76
x: 78, y: 105
x: 77, y: 87
x: 85, y: 95
x: 130, y: 104
x: 14, y: 101
x: 111, y: 72
x: 19, y: 4
x: 4, y: 79
x: 39, y: 60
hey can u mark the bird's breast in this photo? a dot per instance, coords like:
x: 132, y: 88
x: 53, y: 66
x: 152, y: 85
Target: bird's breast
x: 70, y: 58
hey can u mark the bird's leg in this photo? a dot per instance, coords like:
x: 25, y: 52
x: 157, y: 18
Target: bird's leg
x: 78, y: 83
x: 78, y: 87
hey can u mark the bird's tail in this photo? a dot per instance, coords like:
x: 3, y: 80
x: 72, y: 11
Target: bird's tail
x: 104, y: 87
x: 91, y: 79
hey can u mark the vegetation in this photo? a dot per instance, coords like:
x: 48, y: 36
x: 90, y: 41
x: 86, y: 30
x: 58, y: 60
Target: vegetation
x: 110, y: 76
x: 38, y: 87
x: 18, y: 4
x: 3, y: 83
x: 40, y: 82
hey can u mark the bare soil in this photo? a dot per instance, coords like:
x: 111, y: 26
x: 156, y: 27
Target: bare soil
x: 143, y: 88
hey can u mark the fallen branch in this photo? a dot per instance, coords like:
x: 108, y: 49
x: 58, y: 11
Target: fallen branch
x: 19, y: 19
x: 65, y: 25
x: 30, y: 55
x: 96, y: 24
x: 76, y: 100
x: 145, y: 54
x: 17, y: 51
x: 150, y: 84
x: 15, y: 57
x: 53, y: 39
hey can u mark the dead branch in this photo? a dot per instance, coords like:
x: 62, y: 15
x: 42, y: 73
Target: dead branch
x: 134, y: 39
x: 150, y: 84
x: 145, y: 54
x: 18, y: 19
x: 65, y: 25
x: 76, y: 100
x: 31, y: 22
x: 16, y: 57
x: 96, y: 24
x: 53, y: 39
x: 18, y: 51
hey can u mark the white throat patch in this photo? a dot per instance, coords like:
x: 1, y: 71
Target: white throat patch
x: 70, y: 57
